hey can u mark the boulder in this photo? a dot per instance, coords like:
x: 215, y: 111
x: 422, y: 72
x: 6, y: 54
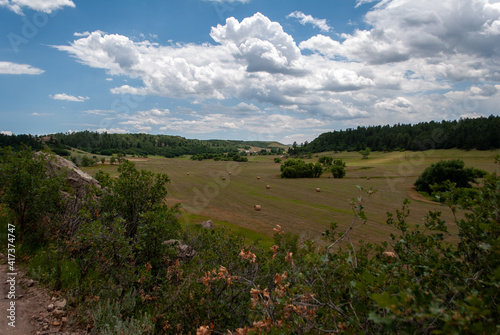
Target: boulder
x: 207, y: 224
x: 184, y: 251
x: 75, y: 177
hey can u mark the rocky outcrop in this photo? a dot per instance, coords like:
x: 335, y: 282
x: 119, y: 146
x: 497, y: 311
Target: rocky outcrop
x: 75, y: 177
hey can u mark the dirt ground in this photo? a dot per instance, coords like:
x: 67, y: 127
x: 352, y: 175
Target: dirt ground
x: 413, y: 193
x: 33, y: 311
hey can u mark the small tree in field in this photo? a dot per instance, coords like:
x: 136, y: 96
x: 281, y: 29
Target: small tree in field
x: 338, y: 168
x: 326, y: 160
x: 365, y: 153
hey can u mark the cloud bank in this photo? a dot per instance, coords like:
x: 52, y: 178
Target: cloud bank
x: 397, y: 70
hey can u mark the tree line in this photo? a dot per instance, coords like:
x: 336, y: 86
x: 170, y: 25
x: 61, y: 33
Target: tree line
x: 128, y: 144
x: 480, y: 133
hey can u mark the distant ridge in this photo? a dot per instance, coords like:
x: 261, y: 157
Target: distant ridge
x: 131, y: 144
x: 480, y: 133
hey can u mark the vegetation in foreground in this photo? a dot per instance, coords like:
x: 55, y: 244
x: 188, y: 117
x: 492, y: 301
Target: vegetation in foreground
x: 104, y: 249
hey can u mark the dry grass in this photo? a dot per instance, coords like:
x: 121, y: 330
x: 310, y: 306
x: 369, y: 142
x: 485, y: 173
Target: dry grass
x: 291, y: 204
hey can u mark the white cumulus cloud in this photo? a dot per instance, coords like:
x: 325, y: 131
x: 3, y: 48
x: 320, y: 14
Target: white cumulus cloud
x: 15, y: 68
x: 67, y: 97
x: 389, y: 72
x: 46, y: 6
x: 308, y: 19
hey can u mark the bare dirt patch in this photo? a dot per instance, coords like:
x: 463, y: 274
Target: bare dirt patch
x: 413, y: 193
x: 33, y: 311
x: 138, y: 159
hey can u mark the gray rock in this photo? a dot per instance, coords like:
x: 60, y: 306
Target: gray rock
x: 76, y: 178
x: 184, y: 251
x: 58, y: 313
x: 207, y: 224
x: 61, y: 304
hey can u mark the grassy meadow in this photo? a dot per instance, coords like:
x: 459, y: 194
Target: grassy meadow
x: 294, y: 203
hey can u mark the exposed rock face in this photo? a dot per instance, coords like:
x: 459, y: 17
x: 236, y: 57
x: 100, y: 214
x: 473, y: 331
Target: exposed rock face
x: 207, y: 224
x: 76, y: 178
x: 184, y: 251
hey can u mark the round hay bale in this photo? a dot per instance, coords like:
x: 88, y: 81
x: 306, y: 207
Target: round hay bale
x: 258, y: 177
x: 318, y: 189
x: 389, y: 254
x: 187, y: 174
x: 367, y: 178
x: 223, y: 178
x: 229, y: 173
x: 268, y: 187
x: 257, y: 208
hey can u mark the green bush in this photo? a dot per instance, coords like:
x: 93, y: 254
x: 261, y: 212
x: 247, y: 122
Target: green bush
x: 434, y: 177
x: 30, y: 193
x: 297, y: 168
x: 326, y: 160
x: 338, y: 168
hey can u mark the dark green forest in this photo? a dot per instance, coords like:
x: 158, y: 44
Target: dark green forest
x: 481, y: 133
x: 128, y: 144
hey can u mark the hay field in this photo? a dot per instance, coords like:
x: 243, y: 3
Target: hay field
x: 294, y: 203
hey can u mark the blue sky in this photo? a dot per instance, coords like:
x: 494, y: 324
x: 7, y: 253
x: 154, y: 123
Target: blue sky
x: 244, y: 69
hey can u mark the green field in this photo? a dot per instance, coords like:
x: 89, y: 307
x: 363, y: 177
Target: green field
x: 294, y: 203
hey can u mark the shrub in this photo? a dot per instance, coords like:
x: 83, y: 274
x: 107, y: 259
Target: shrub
x: 297, y: 168
x: 454, y: 171
x: 338, y: 169
x: 30, y: 193
x: 326, y: 160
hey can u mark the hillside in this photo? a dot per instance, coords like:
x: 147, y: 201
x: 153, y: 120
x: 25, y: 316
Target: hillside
x: 131, y: 144
x: 480, y: 133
